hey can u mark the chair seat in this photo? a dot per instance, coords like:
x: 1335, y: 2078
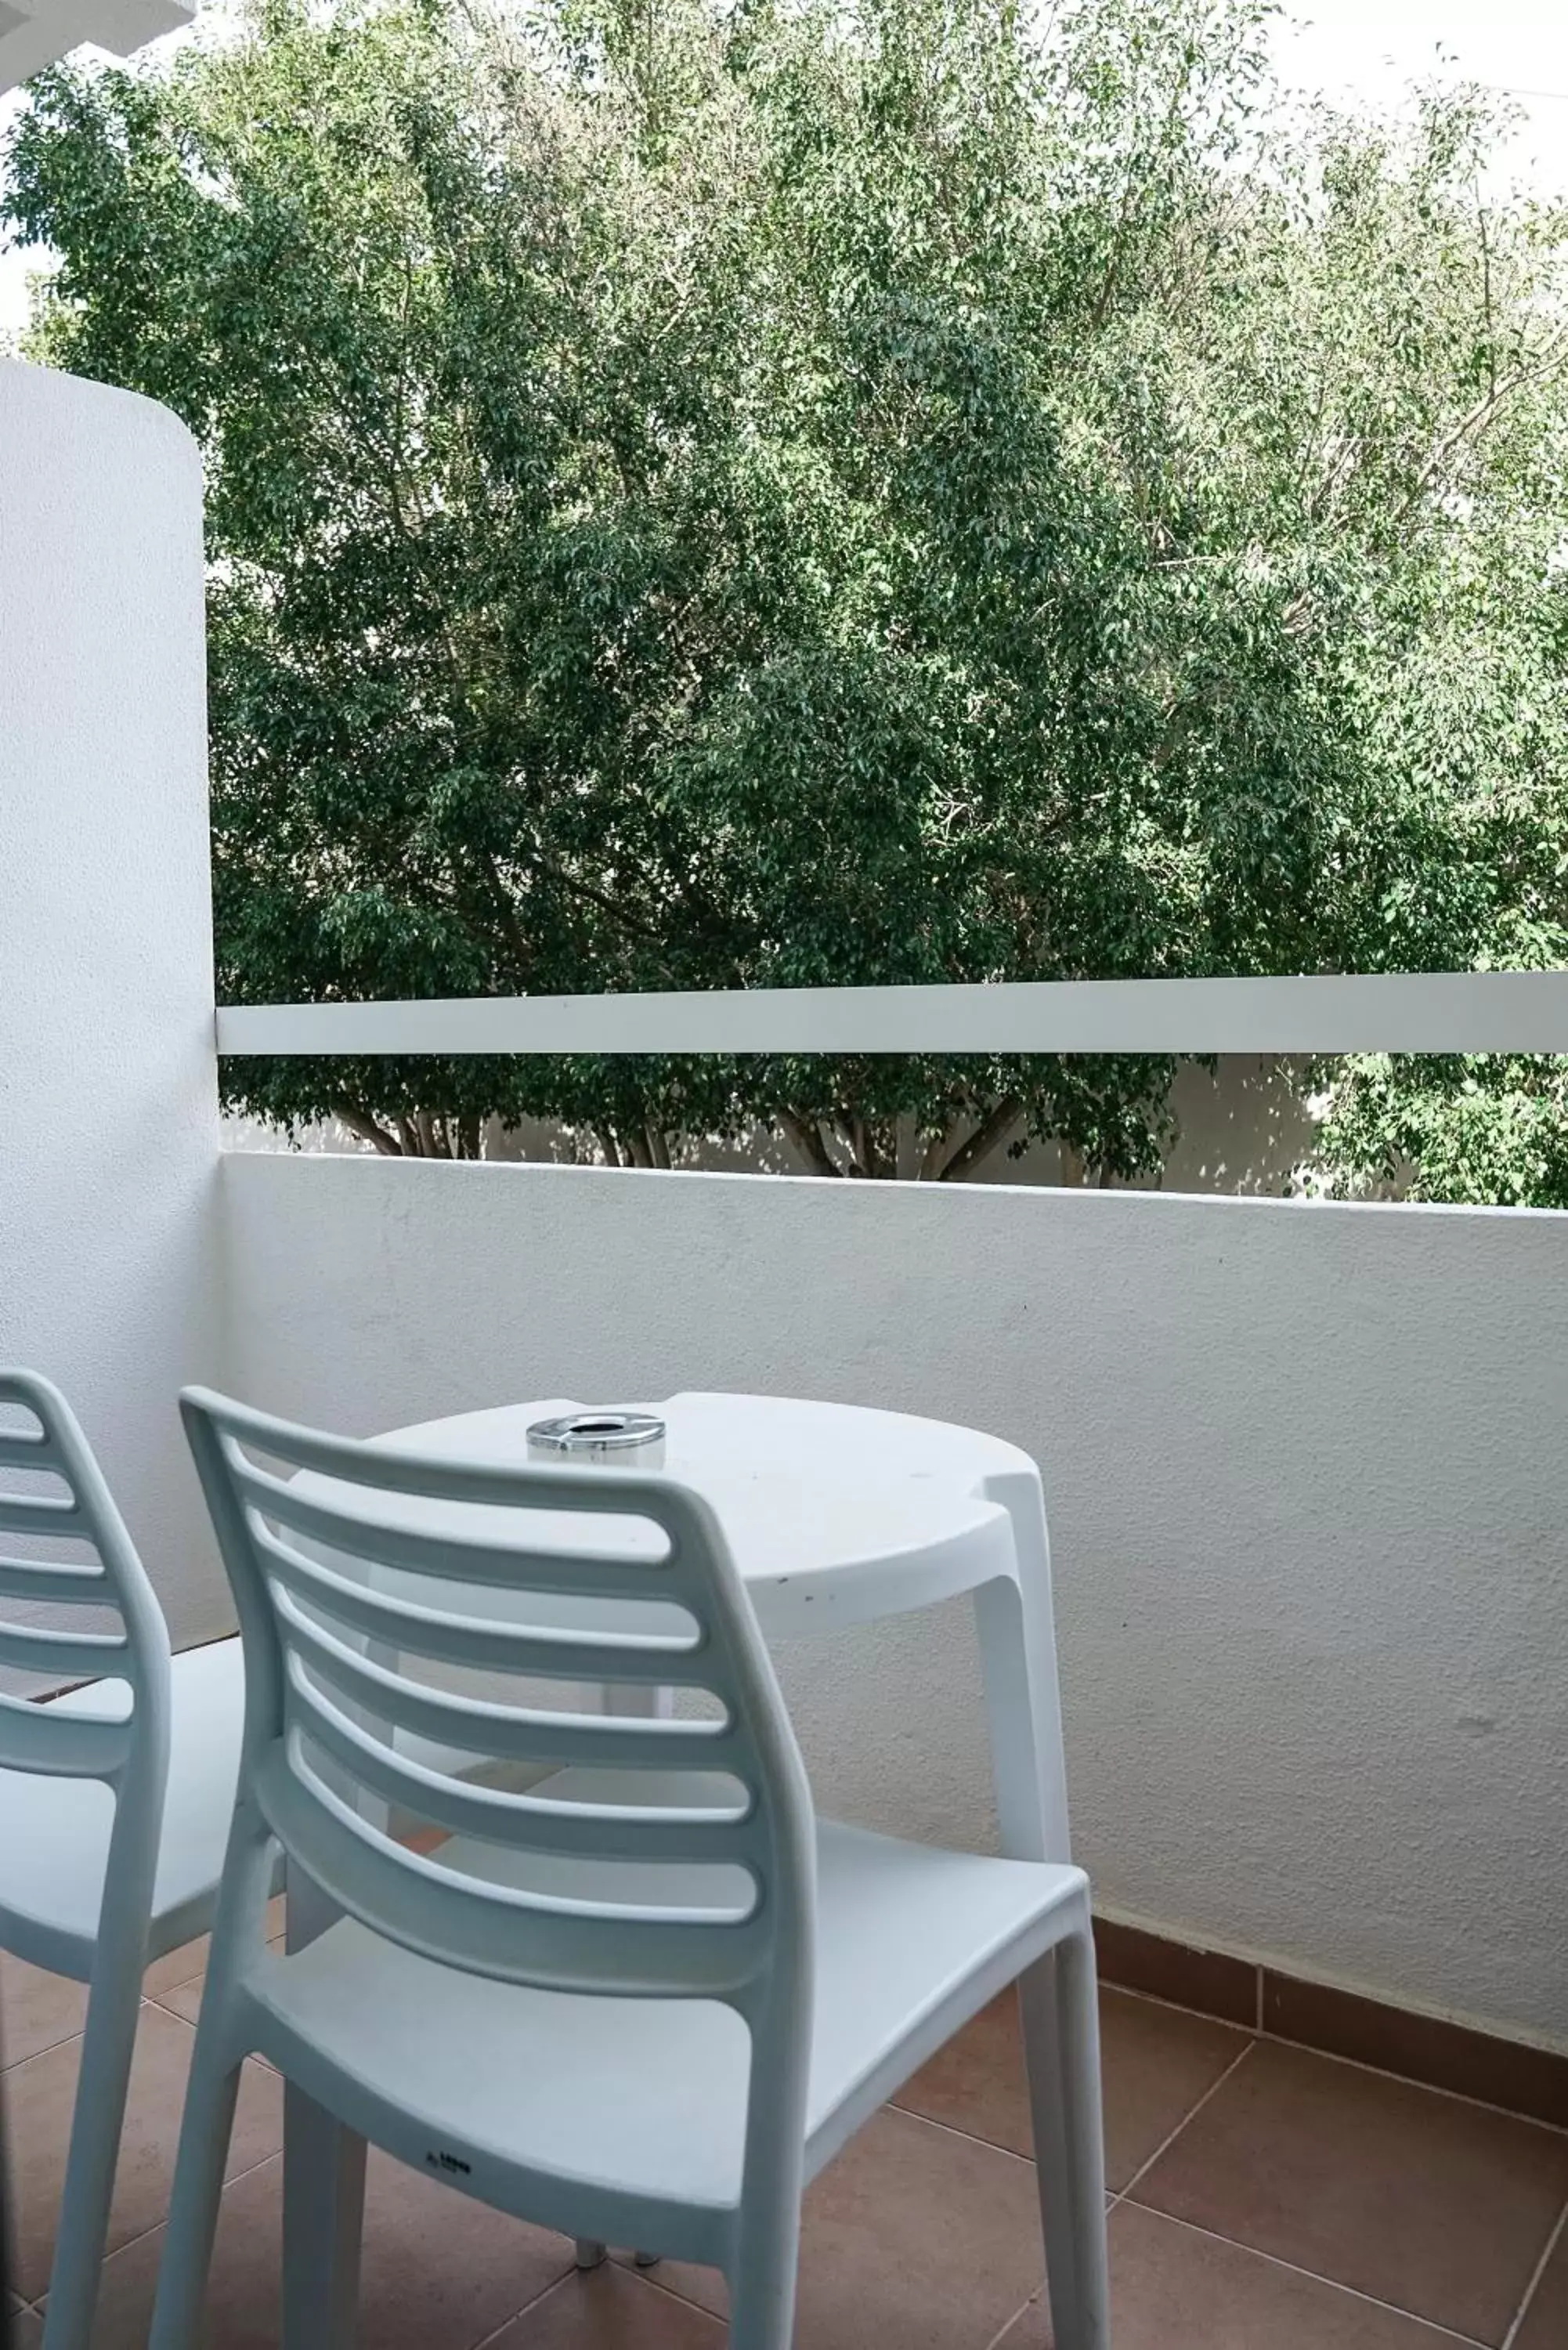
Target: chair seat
x: 646, y: 2098
x: 54, y: 1833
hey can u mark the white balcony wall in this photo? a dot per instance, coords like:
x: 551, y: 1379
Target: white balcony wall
x: 108, y: 1133
x: 1304, y: 1468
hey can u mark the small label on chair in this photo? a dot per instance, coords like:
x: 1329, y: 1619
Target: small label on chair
x: 449, y: 2162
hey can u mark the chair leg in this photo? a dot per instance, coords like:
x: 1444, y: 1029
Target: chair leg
x: 204, y: 2135
x: 590, y: 2254
x: 763, y: 2274
x: 107, y: 2044
x: 762, y: 2312
x: 1061, y: 2044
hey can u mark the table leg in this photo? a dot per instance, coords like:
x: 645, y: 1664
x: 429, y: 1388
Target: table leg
x: 1017, y: 1635
x: 642, y: 1701
x: 1018, y: 1661
x: 323, y: 2184
x: 638, y: 1701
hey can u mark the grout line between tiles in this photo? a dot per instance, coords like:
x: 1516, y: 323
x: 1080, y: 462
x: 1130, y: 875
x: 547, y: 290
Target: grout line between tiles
x: 197, y: 1974
x: 49, y: 2045
x: 951, y: 2129
x: 998, y: 2339
x: 161, y: 1997
x: 523, y: 2310
x: 1313, y: 2276
x: 1432, y: 2089
x: 52, y: 2050
x: 151, y: 1998
x: 1212, y: 2090
x: 673, y: 2292
x: 36, y: 2307
x: 1261, y: 2030
x: 34, y: 2054
x: 1536, y: 2274
x: 1175, y: 2007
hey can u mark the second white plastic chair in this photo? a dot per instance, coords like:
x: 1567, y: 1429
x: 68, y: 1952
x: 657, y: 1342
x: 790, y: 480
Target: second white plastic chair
x: 639, y: 2001
x: 114, y: 1799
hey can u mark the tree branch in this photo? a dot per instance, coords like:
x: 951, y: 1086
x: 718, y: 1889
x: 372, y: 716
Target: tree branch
x: 368, y: 1130
x: 1484, y: 413
x: 988, y: 1138
x: 806, y: 1137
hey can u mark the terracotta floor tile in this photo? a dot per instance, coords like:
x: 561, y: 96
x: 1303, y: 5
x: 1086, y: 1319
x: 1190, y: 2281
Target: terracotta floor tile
x: 39, y: 2099
x: 27, y: 2332
x: 438, y: 2266
x: 1155, y: 2062
x: 1545, y: 2326
x: 184, y: 1999
x: 439, y: 2271
x: 37, y: 2010
x: 1173, y: 2289
x: 1415, y: 2198
x: 610, y: 2310
x: 241, y: 2311
x: 189, y: 1963
x: 913, y: 2240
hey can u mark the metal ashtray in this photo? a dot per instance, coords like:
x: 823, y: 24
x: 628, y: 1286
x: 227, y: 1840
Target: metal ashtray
x: 605, y: 1438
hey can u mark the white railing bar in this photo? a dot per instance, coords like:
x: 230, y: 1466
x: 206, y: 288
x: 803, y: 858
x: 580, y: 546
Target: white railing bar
x: 1441, y: 1012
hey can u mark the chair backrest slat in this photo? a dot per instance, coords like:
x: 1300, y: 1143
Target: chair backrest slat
x: 541, y: 1651
x: 342, y: 1600
x: 610, y: 1832
x: 443, y: 1558
x: 44, y: 1516
x: 70, y: 1509
x: 59, y: 1746
x: 35, y: 1451
x: 482, y: 1927
x: 79, y: 1656
x: 34, y: 1582
x: 510, y: 1733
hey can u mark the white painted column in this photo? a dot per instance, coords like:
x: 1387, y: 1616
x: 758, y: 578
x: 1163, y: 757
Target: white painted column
x: 109, y: 1127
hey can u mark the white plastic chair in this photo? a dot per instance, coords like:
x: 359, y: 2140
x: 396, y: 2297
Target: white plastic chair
x: 642, y: 2000
x: 100, y: 1871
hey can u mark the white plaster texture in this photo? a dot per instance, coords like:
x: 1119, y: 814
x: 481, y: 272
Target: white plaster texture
x: 108, y: 1133
x: 1303, y: 1466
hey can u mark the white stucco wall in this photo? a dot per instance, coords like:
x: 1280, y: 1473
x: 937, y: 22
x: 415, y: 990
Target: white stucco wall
x: 108, y: 1134
x: 1304, y: 1468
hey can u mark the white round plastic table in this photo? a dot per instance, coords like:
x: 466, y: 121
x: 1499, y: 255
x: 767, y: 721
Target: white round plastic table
x: 835, y: 1515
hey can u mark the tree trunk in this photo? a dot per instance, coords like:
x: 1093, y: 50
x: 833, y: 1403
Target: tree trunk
x: 988, y: 1138
x: 873, y: 1156
x: 368, y: 1130
x: 806, y: 1136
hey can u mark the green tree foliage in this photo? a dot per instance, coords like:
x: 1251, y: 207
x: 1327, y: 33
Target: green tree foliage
x: 727, y: 496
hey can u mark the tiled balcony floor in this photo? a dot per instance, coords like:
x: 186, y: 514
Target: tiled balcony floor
x: 1265, y: 2199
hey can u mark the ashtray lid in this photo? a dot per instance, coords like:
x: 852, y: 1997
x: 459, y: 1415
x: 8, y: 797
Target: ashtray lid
x: 605, y: 1428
